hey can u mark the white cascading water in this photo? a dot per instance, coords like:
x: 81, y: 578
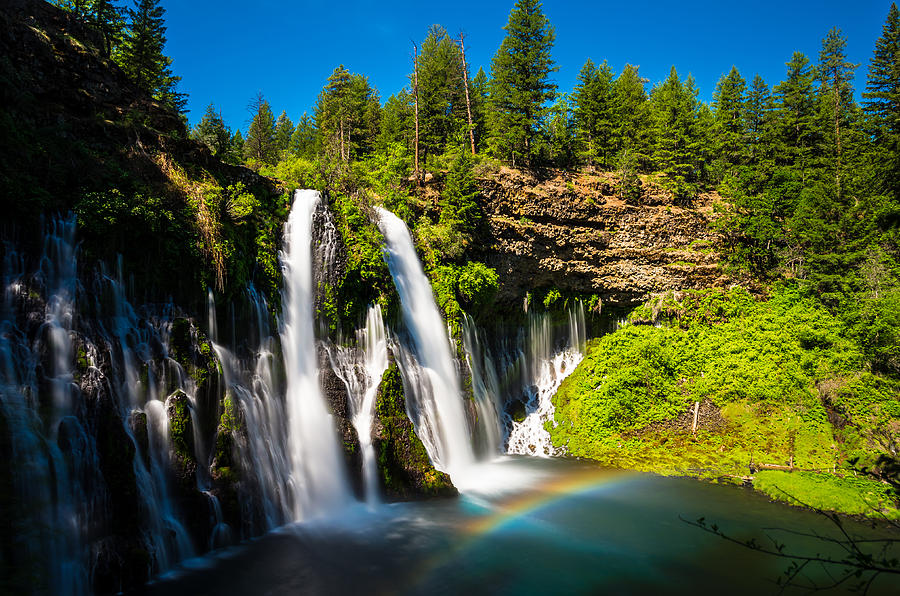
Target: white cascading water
x: 318, y: 479
x: 441, y: 421
x: 546, y: 367
x: 254, y: 392
x: 485, y: 389
x: 361, y: 369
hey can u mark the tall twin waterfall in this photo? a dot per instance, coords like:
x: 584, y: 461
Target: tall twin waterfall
x: 439, y: 418
x: 129, y: 440
x: 318, y: 479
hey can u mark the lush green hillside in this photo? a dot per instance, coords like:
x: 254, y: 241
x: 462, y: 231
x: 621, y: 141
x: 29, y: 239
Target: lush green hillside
x: 780, y: 382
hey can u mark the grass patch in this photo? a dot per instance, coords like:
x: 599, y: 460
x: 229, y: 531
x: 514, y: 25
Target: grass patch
x: 847, y: 494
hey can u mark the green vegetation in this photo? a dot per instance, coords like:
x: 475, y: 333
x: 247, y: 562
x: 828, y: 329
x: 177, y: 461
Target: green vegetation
x: 781, y: 382
x: 827, y: 492
x: 402, y: 459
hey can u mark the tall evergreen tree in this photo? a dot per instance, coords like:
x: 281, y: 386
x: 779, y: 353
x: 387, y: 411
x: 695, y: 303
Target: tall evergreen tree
x: 235, y: 153
x: 260, y: 143
x: 520, y: 83
x: 348, y: 114
x: 730, y: 121
x: 284, y: 128
x: 480, y: 96
x: 442, y: 107
x: 882, y: 101
x: 796, y: 113
x: 676, y: 138
x: 212, y: 131
x: 758, y: 110
x: 836, y: 103
x: 593, y: 113
x: 142, y: 57
x: 304, y: 140
x: 631, y: 137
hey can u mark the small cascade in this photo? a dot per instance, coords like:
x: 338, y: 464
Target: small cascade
x: 253, y: 389
x: 547, y: 364
x: 426, y: 362
x: 361, y: 368
x: 318, y: 479
x: 143, y: 389
x: 485, y: 389
x: 56, y: 496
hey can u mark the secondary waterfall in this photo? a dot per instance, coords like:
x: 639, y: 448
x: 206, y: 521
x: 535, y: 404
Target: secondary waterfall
x: 361, y: 369
x: 440, y: 420
x: 318, y: 478
x: 546, y: 365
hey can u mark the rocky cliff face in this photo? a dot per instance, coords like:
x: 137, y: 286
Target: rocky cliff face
x: 573, y: 232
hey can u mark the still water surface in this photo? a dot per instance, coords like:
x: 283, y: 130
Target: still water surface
x: 578, y: 529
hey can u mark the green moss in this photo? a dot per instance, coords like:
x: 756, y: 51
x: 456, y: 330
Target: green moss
x: 829, y: 492
x: 403, y: 461
x: 778, y: 378
x: 181, y: 428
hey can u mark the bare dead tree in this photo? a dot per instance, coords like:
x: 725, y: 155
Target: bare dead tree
x: 416, y: 104
x: 465, y: 70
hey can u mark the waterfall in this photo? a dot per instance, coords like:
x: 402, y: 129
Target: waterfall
x: 485, y: 388
x: 318, y: 479
x: 428, y: 364
x: 547, y: 364
x: 52, y: 460
x: 361, y: 369
x: 252, y: 387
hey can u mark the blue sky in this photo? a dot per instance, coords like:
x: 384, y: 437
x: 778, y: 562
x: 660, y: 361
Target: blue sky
x: 226, y: 51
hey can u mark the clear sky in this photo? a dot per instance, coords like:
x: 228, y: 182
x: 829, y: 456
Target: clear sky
x: 227, y: 50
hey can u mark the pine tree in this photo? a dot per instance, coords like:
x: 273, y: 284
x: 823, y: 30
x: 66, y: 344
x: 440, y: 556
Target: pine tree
x: 284, y: 128
x: 836, y: 102
x: 560, y: 133
x: 758, y: 112
x: 480, y: 106
x: 730, y: 123
x: 458, y: 204
x: 796, y: 113
x: 520, y: 83
x: 235, y: 153
x: 593, y: 113
x: 348, y: 115
x: 260, y: 142
x: 632, y: 115
x: 304, y: 140
x: 212, y: 131
x: 142, y: 57
x: 442, y: 107
x: 882, y: 101
x: 676, y: 139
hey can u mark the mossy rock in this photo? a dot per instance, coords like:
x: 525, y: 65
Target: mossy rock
x: 404, y: 466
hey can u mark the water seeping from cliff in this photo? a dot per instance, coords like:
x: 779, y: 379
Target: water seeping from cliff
x: 545, y: 364
x: 318, y: 479
x: 439, y: 417
x: 360, y: 368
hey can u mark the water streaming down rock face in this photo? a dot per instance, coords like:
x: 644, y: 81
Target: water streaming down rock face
x: 546, y: 364
x: 427, y: 363
x: 252, y: 386
x: 361, y: 368
x: 318, y: 478
x: 485, y: 389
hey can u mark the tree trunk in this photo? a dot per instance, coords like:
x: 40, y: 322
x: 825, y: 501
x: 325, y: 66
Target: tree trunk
x: 465, y: 69
x: 416, y: 104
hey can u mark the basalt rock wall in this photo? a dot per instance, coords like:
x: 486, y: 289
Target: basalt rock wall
x: 574, y: 232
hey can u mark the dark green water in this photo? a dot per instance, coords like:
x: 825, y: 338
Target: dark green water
x: 578, y: 530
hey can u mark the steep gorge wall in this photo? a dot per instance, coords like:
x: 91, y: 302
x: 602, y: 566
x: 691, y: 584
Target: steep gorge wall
x: 573, y: 232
